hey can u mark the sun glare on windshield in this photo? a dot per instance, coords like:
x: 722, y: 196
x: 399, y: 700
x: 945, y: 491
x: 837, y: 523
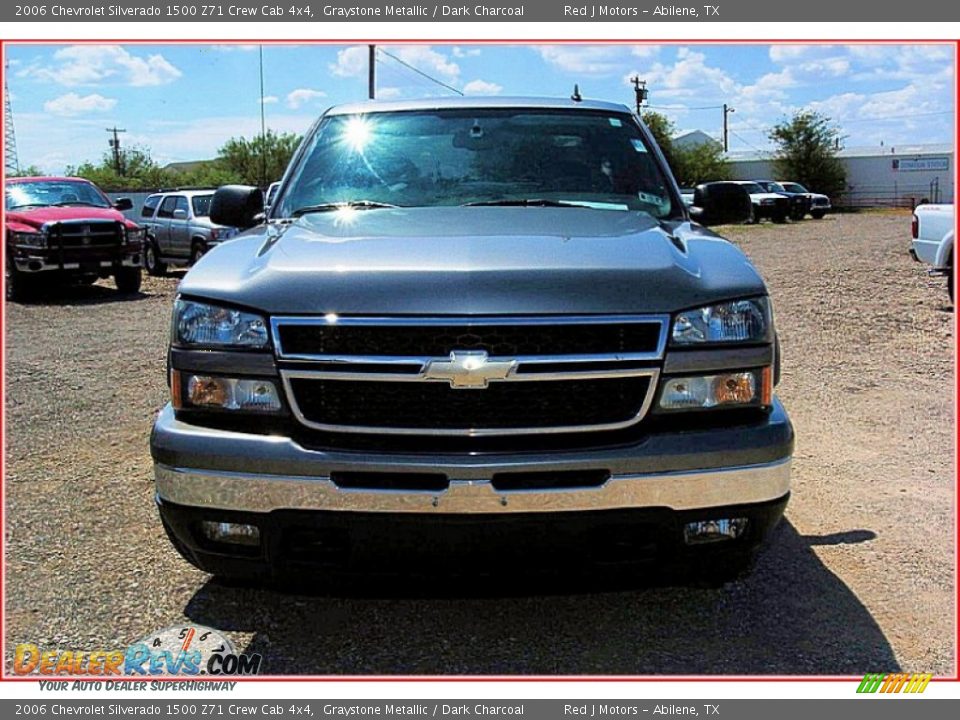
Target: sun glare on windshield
x: 357, y: 133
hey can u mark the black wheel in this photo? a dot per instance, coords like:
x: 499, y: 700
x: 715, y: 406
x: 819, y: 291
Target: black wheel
x: 817, y: 214
x: 198, y: 250
x: 780, y: 218
x: 128, y: 280
x: 151, y: 260
x: 950, y: 282
x: 20, y: 286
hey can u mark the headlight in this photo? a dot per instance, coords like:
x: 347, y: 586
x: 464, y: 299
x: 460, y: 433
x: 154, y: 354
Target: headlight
x: 29, y: 239
x: 196, y: 323
x: 738, y: 321
x: 135, y: 235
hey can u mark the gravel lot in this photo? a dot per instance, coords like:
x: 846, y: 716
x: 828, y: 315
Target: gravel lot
x: 859, y: 577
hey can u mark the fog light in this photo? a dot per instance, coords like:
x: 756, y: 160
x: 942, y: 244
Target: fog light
x: 232, y: 393
x: 707, y: 391
x: 707, y: 531
x: 234, y: 533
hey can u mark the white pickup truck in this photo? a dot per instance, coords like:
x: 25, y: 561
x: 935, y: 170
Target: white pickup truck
x: 933, y: 231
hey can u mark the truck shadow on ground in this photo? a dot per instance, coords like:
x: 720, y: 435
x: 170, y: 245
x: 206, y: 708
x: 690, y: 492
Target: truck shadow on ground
x: 81, y: 295
x: 791, y: 616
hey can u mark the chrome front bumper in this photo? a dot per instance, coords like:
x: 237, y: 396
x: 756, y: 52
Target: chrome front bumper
x: 677, y: 490
x: 37, y: 265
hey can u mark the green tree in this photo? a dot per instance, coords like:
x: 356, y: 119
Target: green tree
x: 807, y: 147
x: 699, y: 164
x: 663, y: 131
x: 690, y: 165
x: 29, y: 171
x: 138, y: 171
x: 260, y: 160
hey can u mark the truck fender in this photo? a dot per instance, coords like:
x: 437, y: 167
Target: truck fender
x: 945, y: 252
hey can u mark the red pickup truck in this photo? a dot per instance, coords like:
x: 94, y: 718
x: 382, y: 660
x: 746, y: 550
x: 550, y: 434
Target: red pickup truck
x: 66, y: 230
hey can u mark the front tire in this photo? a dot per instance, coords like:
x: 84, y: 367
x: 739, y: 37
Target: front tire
x: 817, y: 214
x: 151, y: 260
x: 128, y: 280
x: 198, y: 250
x: 20, y: 286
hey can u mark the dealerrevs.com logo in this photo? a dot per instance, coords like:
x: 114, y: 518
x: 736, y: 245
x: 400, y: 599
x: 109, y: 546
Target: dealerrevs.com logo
x: 182, y: 650
x: 894, y: 682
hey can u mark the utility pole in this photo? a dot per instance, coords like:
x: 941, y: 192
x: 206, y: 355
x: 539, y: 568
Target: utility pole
x: 372, y: 78
x: 640, y: 90
x: 115, y: 144
x: 726, y: 129
x: 11, y: 165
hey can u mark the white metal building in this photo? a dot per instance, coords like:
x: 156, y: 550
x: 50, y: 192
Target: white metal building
x: 897, y: 175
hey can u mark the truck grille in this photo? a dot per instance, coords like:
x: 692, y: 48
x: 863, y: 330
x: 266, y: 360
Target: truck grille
x: 469, y: 376
x: 496, y: 340
x: 502, y: 406
x: 80, y: 234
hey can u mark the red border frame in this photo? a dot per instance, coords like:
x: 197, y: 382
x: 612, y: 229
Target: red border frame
x: 5, y: 678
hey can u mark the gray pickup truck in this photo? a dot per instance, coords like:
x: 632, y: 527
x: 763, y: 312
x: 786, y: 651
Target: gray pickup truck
x: 475, y: 331
x: 179, y: 229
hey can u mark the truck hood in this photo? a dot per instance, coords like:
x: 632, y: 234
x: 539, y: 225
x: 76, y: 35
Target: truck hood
x: 473, y: 261
x: 36, y: 217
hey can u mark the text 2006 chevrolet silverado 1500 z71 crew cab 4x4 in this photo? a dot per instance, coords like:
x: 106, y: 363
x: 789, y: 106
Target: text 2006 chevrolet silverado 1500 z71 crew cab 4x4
x: 473, y: 328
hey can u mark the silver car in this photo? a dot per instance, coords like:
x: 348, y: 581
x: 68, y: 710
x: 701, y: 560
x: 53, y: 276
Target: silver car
x: 179, y: 229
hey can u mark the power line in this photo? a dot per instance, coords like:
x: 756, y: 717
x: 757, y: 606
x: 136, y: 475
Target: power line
x: 419, y: 71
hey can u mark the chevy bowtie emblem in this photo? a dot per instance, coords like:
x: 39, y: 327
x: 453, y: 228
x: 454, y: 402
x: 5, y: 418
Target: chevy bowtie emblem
x: 468, y: 369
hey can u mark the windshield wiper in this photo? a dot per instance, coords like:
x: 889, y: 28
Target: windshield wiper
x: 332, y: 207
x: 82, y: 203
x: 524, y: 202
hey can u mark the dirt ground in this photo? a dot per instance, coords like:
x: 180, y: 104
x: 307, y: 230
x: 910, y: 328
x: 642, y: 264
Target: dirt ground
x: 858, y: 578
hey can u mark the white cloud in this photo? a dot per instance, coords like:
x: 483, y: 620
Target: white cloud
x: 644, y: 51
x: 233, y: 48
x: 71, y: 105
x: 689, y: 77
x: 459, y: 52
x: 586, y: 59
x: 482, y: 87
x: 301, y: 96
x: 270, y: 100
x: 389, y: 93
x: 103, y: 64
x: 425, y: 59
x: 351, y: 62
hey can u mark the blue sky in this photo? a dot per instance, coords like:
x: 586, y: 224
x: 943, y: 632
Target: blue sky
x: 183, y: 101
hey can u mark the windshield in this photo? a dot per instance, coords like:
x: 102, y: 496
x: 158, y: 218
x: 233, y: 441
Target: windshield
x: 489, y: 156
x: 201, y: 205
x: 753, y: 188
x: 795, y: 188
x: 53, y: 192
x: 774, y: 187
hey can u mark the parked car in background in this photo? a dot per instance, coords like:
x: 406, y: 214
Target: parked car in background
x: 63, y: 230
x: 800, y: 202
x: 933, y: 232
x: 772, y: 206
x: 179, y: 229
x: 686, y: 194
x: 819, y: 204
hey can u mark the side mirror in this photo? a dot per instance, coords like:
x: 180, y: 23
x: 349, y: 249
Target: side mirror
x: 179, y: 214
x: 237, y: 206
x: 721, y: 203
x: 123, y: 204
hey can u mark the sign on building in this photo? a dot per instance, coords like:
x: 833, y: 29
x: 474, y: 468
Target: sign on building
x: 921, y: 164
